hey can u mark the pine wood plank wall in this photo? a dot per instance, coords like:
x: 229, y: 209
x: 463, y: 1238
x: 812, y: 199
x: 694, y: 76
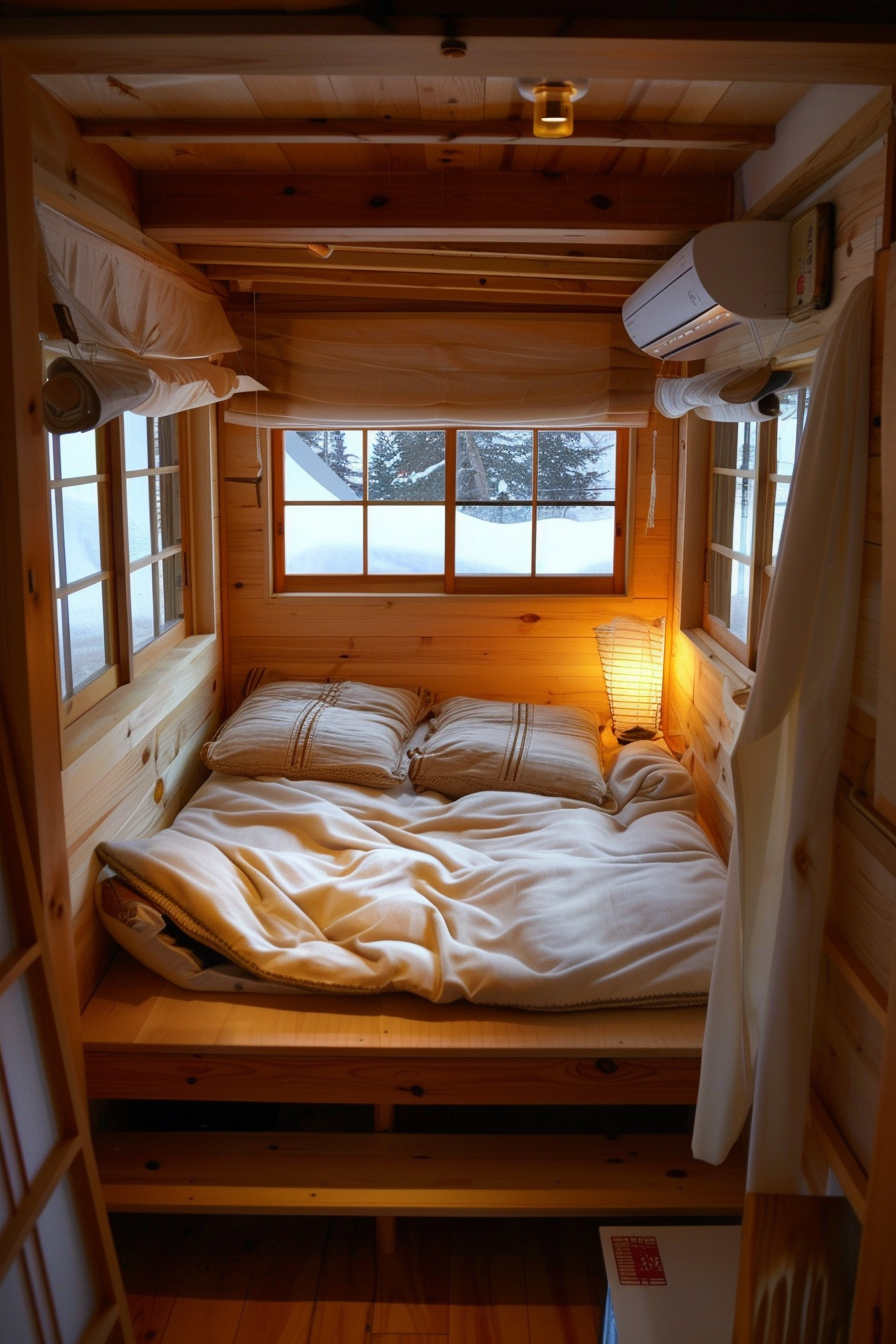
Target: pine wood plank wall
x: 532, y: 648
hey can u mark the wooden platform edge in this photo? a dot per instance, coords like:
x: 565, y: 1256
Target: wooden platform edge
x: 453, y: 1175
x: 404, y: 1081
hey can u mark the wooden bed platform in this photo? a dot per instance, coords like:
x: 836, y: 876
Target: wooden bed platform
x: 146, y: 1039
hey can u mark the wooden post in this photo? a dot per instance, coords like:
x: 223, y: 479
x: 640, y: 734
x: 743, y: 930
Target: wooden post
x: 28, y: 686
x: 874, y: 1306
x: 386, y: 1227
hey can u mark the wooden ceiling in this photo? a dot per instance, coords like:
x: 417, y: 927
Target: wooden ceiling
x: 431, y: 190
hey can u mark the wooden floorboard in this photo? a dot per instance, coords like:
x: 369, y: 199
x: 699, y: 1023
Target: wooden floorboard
x: 412, y: 1286
x: 558, y: 1288
x: 216, y: 1281
x: 488, y: 1285
x: 283, y: 1288
x: 347, y: 1292
x: 284, y: 1280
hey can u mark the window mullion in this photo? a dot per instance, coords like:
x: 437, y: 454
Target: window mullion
x: 278, y: 473
x: 534, y: 502
x: 365, y: 450
x: 121, y: 551
x: 762, y: 534
x: 88, y: 581
x: 450, y: 508
x: 68, y: 680
x: 721, y: 549
x: 155, y: 557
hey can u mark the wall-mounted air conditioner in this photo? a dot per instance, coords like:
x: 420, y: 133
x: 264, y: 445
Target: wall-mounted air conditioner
x: 725, y: 276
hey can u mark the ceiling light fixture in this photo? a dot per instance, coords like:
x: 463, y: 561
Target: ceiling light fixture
x: 454, y: 47
x: 320, y: 249
x: 553, y: 99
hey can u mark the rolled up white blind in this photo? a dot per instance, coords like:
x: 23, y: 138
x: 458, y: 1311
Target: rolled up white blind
x: 724, y: 394
x: 124, y: 301
x: 82, y: 393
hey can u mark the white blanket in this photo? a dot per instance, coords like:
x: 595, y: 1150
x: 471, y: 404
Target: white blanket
x: 498, y: 898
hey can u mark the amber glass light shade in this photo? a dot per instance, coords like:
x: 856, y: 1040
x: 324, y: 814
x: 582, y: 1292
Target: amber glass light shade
x: 553, y: 111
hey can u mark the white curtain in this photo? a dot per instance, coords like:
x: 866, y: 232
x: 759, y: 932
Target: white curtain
x: 784, y: 768
x: 414, y: 370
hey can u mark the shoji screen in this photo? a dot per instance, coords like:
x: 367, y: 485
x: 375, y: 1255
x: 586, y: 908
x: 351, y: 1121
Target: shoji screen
x: 59, y: 1282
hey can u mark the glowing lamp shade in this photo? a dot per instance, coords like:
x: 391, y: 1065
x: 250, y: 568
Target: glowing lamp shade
x: 553, y: 99
x: 631, y: 655
x: 553, y: 111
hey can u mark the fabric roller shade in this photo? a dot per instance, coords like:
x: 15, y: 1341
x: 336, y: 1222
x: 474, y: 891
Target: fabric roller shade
x: 415, y: 370
x: 126, y: 301
x: 81, y: 393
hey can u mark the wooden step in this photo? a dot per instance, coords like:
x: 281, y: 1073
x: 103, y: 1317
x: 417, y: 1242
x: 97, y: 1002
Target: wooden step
x: 434, y: 1174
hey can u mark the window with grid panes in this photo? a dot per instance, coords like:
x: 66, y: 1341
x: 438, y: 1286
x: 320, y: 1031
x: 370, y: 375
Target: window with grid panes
x: 450, y: 510
x: 115, y: 499
x: 752, y: 467
x: 155, y: 549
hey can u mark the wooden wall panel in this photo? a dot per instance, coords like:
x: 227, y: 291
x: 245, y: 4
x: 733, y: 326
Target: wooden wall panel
x: 858, y: 213
x: 846, y: 1066
x: 134, y: 777
x: 863, y: 891
x: 512, y: 647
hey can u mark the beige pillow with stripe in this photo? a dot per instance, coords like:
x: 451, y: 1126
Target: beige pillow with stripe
x: 491, y: 744
x: 344, y: 731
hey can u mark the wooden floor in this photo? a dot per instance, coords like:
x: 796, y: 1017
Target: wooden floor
x: 284, y: 1280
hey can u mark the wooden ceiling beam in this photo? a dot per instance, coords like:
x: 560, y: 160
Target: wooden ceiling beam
x: 202, y: 253
x: 423, y: 291
x: 501, y: 207
x: 728, y: 47
x: 302, y: 300
x: 289, y: 131
x: 241, y: 263
x: 471, y: 288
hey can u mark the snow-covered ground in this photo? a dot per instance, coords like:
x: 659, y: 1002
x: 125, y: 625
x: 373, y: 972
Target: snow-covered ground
x: 409, y: 538
x: 80, y: 507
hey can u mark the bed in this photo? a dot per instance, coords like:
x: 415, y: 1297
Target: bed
x: 334, y: 941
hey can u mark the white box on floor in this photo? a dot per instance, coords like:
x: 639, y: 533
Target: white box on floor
x: 670, y: 1285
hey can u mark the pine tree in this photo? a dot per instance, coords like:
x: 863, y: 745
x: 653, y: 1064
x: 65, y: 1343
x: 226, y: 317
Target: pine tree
x: 574, y: 465
x: 345, y: 464
x: 384, y: 459
x: 495, y: 465
x: 407, y: 464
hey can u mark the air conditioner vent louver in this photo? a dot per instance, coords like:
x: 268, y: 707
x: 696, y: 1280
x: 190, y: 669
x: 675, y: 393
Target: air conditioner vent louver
x: 725, y: 276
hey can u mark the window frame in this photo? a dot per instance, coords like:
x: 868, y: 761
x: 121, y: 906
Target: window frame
x: 449, y: 582
x: 124, y: 664
x: 759, y: 562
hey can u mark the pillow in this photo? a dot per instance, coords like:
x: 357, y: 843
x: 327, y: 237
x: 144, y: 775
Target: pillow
x: 337, y: 730
x: 491, y: 744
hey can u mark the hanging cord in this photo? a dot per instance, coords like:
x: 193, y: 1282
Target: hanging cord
x: 257, y: 425
x: 651, y: 507
x: 758, y: 339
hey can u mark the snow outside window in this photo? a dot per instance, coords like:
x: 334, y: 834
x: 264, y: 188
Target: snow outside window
x: 450, y: 510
